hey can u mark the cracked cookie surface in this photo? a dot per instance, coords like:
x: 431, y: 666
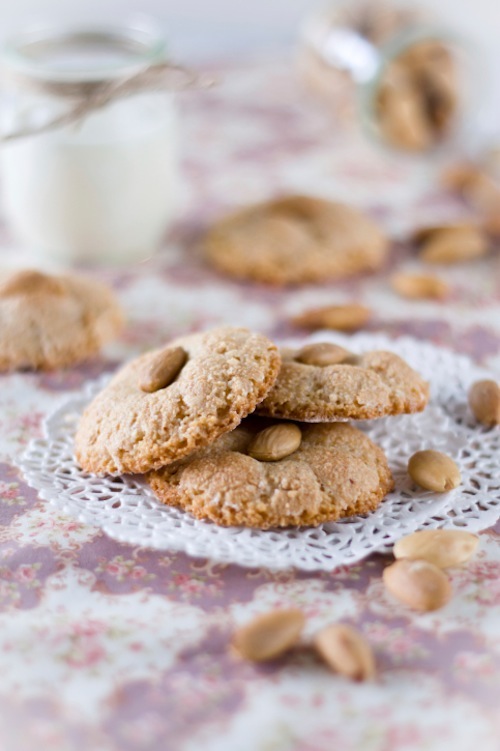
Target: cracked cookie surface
x: 337, y: 471
x: 296, y: 239
x: 125, y: 429
x: 379, y: 384
x: 49, y: 321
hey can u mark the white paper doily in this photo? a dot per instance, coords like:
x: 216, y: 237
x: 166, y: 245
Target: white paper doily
x: 125, y: 508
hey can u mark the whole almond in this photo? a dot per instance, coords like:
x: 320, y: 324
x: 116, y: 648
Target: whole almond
x: 477, y: 187
x: 30, y: 283
x: 420, y: 286
x: 418, y: 90
x: 482, y: 192
x: 422, y: 234
x: 484, y: 401
x: 442, y: 547
x: 433, y: 470
x: 419, y: 584
x: 454, y: 245
x: 458, y: 175
x: 162, y: 369
x: 276, y: 442
x: 346, y: 651
x: 322, y: 354
x: 491, y: 225
x: 402, y: 115
x: 269, y: 635
x: 338, y: 317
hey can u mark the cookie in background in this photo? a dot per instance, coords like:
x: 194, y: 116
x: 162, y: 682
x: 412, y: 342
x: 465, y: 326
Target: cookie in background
x: 54, y: 321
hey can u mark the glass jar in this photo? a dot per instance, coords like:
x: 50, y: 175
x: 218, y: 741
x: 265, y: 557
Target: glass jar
x: 84, y: 180
x: 411, y: 84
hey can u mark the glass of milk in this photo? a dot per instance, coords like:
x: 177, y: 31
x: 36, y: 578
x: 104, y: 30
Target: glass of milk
x: 101, y: 189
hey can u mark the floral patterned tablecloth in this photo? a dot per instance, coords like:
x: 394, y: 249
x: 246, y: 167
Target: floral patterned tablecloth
x: 116, y: 648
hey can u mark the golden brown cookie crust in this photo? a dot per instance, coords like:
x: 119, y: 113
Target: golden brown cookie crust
x: 228, y: 372
x: 49, y: 321
x: 296, y: 239
x: 381, y: 383
x: 336, y: 472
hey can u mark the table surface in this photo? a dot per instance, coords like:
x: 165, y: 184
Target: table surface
x: 111, y: 647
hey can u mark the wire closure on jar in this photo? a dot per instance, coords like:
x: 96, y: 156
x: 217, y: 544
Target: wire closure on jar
x: 90, y: 96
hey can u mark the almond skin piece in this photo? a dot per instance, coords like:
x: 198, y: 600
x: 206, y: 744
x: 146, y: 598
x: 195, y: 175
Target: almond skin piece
x: 276, y: 442
x: 162, y: 370
x: 269, y: 635
x: 484, y: 401
x: 433, y: 470
x: 420, y: 286
x: 323, y: 354
x: 349, y: 317
x: 418, y: 584
x: 454, y: 245
x: 346, y: 651
x: 441, y: 547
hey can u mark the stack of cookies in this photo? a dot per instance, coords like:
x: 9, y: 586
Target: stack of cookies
x: 229, y: 429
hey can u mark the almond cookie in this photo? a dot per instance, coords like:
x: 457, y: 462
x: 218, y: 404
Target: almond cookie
x: 336, y: 471
x: 51, y: 321
x: 314, y: 388
x: 172, y: 401
x: 296, y: 239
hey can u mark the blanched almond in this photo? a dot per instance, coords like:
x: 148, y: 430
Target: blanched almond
x: 454, y: 245
x: 433, y: 470
x: 484, y: 401
x: 275, y: 442
x: 347, y: 317
x: 442, y: 547
x: 269, y: 635
x: 420, y: 286
x: 323, y: 354
x: 162, y: 370
x: 419, y: 584
x: 346, y: 651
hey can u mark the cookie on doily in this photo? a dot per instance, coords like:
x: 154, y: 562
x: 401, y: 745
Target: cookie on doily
x: 170, y: 402
x: 331, y: 471
x: 49, y: 321
x: 323, y: 382
x: 296, y: 239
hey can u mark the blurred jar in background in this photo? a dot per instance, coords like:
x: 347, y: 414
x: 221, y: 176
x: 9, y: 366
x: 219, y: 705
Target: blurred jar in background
x: 409, y: 82
x: 84, y: 180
